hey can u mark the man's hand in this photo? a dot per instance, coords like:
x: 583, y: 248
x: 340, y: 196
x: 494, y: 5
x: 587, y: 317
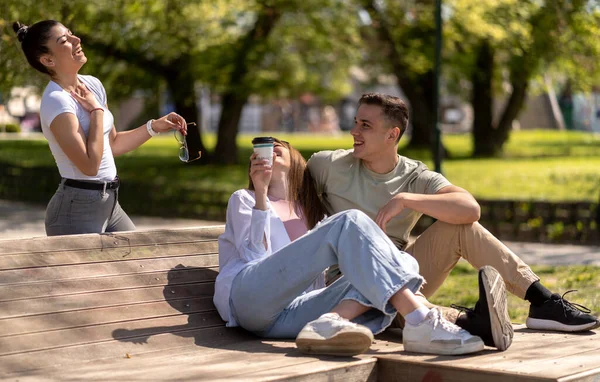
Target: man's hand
x: 451, y: 204
x: 390, y: 210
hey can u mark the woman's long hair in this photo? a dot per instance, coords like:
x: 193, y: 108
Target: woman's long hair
x: 302, y: 193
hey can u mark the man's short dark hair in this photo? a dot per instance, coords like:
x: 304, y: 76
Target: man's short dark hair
x: 394, y: 109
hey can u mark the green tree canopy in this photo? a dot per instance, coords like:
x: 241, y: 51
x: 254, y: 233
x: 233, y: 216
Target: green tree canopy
x: 225, y: 45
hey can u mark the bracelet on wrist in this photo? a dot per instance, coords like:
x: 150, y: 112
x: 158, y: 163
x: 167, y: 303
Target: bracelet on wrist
x: 95, y: 109
x: 150, y: 130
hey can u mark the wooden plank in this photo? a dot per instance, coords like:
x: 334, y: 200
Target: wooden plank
x: 392, y: 370
x: 68, y: 357
x: 525, y: 360
x: 237, y: 361
x: 528, y: 347
x: 325, y: 370
x: 115, y: 268
x: 137, y: 331
x: 109, y: 240
x: 223, y: 341
x: 525, y: 341
x: 269, y: 366
x: 96, y: 255
x: 531, y: 357
x: 586, y: 376
x: 66, y: 303
x: 57, y: 288
x: 574, y: 359
x: 79, y: 318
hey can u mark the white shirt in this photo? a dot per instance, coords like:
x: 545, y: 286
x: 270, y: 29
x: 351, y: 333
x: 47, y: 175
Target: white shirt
x: 56, y: 101
x: 242, y: 243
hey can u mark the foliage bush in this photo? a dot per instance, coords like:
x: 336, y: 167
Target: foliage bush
x: 10, y: 128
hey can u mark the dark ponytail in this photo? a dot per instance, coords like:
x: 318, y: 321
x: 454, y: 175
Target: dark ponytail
x: 34, y: 40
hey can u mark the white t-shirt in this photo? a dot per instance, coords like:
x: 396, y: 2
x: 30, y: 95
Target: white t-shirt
x: 56, y: 101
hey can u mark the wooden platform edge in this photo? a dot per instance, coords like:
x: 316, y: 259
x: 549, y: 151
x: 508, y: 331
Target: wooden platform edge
x: 389, y: 369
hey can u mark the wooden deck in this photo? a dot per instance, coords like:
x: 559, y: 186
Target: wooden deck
x: 533, y: 356
x: 138, y: 306
x: 232, y: 355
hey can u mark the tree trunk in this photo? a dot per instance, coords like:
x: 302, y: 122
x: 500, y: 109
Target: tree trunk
x: 248, y: 57
x: 482, y: 102
x: 226, y: 151
x: 182, y: 90
x: 520, y: 84
x: 420, y: 94
x: 418, y: 90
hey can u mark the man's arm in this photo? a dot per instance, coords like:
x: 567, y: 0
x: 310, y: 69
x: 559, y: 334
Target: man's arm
x: 451, y: 204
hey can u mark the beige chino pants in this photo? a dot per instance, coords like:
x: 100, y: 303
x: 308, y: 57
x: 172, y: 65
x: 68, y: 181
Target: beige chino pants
x: 440, y: 247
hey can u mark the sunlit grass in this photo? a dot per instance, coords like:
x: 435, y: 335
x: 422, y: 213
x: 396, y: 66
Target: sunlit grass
x: 537, y: 165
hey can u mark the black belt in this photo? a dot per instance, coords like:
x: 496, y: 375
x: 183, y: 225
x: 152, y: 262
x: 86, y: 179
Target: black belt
x: 92, y: 185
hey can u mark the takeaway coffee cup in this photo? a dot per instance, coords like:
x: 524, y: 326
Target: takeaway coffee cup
x: 263, y: 146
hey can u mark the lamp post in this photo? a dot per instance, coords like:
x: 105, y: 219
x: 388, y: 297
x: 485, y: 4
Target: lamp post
x: 437, y: 142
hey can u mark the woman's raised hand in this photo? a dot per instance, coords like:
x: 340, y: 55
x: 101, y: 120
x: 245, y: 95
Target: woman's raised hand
x: 260, y: 172
x: 171, y: 121
x: 86, y: 98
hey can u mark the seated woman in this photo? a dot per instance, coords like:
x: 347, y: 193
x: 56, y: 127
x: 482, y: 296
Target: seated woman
x: 271, y: 270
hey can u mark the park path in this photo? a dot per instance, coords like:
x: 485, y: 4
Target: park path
x: 21, y: 220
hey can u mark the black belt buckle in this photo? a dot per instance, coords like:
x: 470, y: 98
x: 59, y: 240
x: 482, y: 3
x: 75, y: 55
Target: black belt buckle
x: 114, y: 184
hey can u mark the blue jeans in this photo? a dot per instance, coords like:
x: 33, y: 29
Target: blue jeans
x: 267, y: 296
x: 77, y: 211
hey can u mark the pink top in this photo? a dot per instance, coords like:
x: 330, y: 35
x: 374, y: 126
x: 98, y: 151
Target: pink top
x: 294, y: 225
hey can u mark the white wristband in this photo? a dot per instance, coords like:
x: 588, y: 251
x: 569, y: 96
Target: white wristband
x: 151, y: 131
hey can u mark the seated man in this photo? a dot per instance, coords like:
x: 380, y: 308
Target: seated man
x: 395, y: 191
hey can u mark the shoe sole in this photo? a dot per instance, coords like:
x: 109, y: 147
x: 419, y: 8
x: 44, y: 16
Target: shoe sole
x: 495, y: 293
x: 430, y: 348
x: 345, y: 344
x: 539, y: 324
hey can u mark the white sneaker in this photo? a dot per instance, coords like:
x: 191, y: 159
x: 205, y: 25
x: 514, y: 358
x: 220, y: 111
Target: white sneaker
x: 331, y: 334
x: 436, y: 335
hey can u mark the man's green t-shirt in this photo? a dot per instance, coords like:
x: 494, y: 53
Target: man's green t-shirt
x: 344, y: 183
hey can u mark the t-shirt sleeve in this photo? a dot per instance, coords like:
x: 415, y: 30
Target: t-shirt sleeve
x: 430, y: 182
x: 55, y: 104
x: 319, y: 165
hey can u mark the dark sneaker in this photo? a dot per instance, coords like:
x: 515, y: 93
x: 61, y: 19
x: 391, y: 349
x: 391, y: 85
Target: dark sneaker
x: 561, y: 315
x: 489, y: 320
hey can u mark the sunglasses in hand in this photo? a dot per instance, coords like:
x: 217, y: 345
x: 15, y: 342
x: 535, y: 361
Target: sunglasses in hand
x: 184, y: 153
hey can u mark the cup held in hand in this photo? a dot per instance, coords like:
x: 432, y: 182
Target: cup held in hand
x: 263, y: 146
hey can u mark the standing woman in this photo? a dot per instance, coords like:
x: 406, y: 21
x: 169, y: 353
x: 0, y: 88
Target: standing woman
x: 81, y: 134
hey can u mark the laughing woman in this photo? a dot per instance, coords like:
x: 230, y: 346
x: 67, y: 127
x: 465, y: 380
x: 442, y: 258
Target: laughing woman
x: 81, y: 134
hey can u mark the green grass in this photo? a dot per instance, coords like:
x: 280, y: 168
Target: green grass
x: 461, y: 288
x: 537, y: 165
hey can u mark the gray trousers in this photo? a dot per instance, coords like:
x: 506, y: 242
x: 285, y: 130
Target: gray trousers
x: 76, y: 211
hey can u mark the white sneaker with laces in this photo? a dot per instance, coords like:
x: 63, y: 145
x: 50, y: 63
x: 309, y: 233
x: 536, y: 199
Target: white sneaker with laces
x: 436, y: 335
x: 331, y: 334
